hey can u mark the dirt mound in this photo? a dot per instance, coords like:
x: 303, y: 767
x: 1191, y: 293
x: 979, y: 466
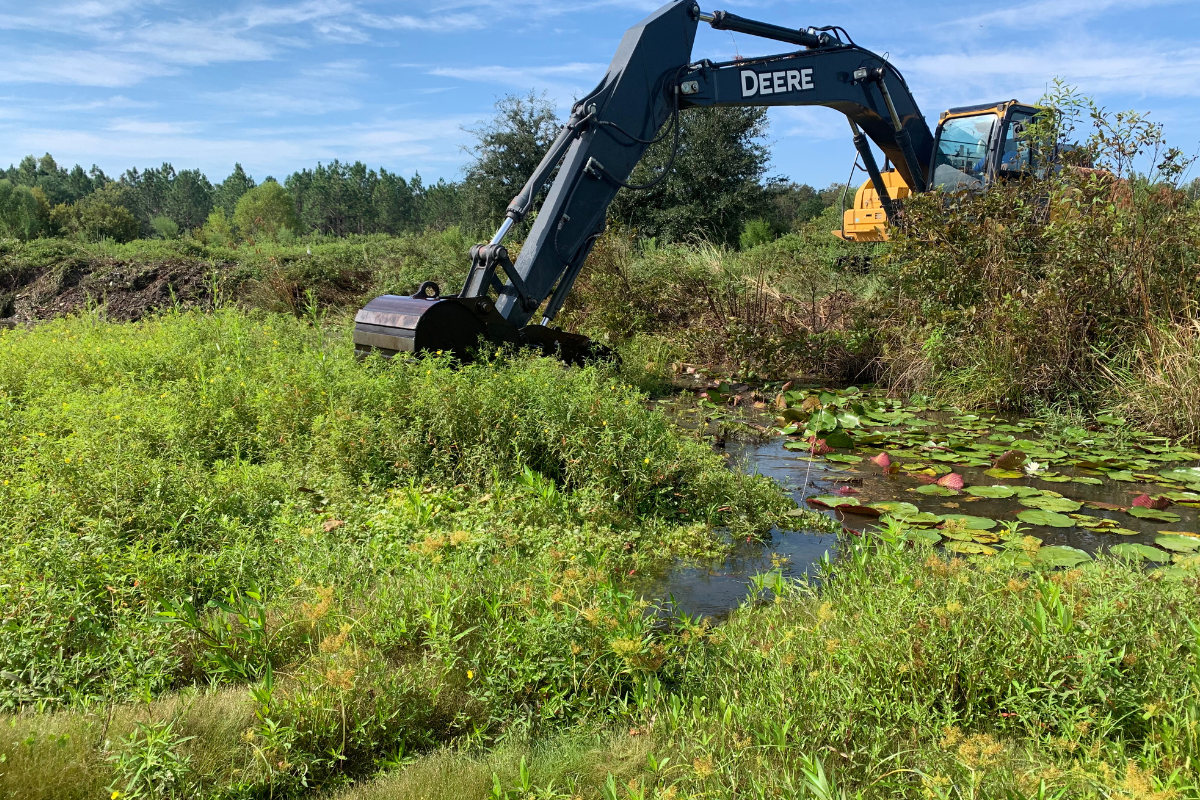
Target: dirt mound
x: 126, y: 290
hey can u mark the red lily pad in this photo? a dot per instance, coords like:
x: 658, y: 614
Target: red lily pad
x: 1156, y: 503
x: 952, y: 481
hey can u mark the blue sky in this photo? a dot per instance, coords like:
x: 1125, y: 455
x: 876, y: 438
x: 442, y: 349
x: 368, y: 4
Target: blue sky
x: 281, y: 85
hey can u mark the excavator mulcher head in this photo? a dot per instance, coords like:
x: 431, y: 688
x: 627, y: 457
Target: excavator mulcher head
x: 428, y: 322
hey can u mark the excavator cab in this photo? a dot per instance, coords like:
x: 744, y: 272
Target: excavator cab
x: 973, y: 146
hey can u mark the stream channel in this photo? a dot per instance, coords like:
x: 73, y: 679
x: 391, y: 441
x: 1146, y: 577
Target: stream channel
x: 715, y: 588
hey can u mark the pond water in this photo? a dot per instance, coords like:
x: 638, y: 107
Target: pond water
x: 1071, y: 475
x: 713, y: 589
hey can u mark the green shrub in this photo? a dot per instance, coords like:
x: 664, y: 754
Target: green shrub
x: 265, y: 211
x: 21, y: 215
x: 164, y: 227
x: 99, y: 216
x: 756, y: 232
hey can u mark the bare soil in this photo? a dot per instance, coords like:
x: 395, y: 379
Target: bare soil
x: 125, y: 290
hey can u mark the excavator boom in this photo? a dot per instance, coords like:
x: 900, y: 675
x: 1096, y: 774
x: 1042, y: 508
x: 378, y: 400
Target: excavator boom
x: 650, y: 81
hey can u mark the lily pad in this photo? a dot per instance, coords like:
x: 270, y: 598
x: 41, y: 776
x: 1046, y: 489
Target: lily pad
x: 899, y: 510
x: 922, y: 518
x: 1060, y: 504
x: 1121, y: 475
x: 1093, y: 523
x: 923, y: 535
x: 1061, y: 556
x: 833, y: 501
x: 957, y: 534
x: 1010, y: 474
x: 997, y: 492
x: 935, y: 490
x: 974, y: 523
x: 1088, y: 481
x: 1175, y: 572
x: 822, y: 421
x: 1177, y: 544
x: 970, y: 548
x: 1048, y: 518
x: 1150, y: 513
x: 843, y: 459
x: 1026, y: 491
x: 1139, y: 552
x: 839, y: 438
x: 1185, y: 475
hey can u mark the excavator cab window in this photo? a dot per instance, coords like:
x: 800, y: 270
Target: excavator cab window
x: 961, y: 153
x: 1017, y: 155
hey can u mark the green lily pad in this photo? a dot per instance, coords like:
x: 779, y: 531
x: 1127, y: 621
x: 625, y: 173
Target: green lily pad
x: 971, y: 548
x: 974, y: 523
x: 1009, y: 474
x: 1185, y: 475
x: 1122, y: 475
x: 1049, y: 518
x: 1088, y: 481
x: 834, y: 500
x: 922, y: 518
x: 957, y: 535
x: 822, y: 421
x: 1110, y: 419
x: 1060, y: 504
x: 935, y: 490
x: 1061, y: 556
x: 997, y: 492
x: 1174, y: 572
x: 1139, y: 552
x: 1027, y: 491
x: 842, y: 459
x: 897, y: 509
x: 1055, y: 478
x: 922, y: 535
x: 1093, y: 523
x: 1177, y: 544
x: 1153, y: 514
x: 839, y: 438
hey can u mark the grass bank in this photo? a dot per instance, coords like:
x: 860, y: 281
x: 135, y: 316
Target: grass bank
x: 239, y: 564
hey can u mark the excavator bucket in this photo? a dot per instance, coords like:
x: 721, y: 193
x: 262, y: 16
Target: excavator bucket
x: 427, y: 322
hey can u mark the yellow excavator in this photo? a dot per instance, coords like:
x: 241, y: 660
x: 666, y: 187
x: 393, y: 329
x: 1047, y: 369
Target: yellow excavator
x: 973, y: 146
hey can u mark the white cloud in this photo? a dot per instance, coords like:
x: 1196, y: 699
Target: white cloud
x: 268, y: 103
x: 259, y: 16
x: 1098, y: 67
x: 428, y: 144
x: 79, y: 68
x: 194, y: 43
x: 1031, y: 16
x: 563, y: 82
x: 150, y: 127
x: 432, y: 24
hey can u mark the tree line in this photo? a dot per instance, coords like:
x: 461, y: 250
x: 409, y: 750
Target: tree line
x: 718, y: 185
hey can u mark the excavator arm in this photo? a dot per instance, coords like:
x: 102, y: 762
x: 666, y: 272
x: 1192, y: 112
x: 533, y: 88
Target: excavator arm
x: 650, y: 81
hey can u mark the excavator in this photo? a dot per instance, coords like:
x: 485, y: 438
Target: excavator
x: 651, y: 80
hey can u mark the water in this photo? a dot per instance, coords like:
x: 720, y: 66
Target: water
x: 713, y: 589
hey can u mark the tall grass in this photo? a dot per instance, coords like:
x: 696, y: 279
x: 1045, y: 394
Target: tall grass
x: 1158, y: 383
